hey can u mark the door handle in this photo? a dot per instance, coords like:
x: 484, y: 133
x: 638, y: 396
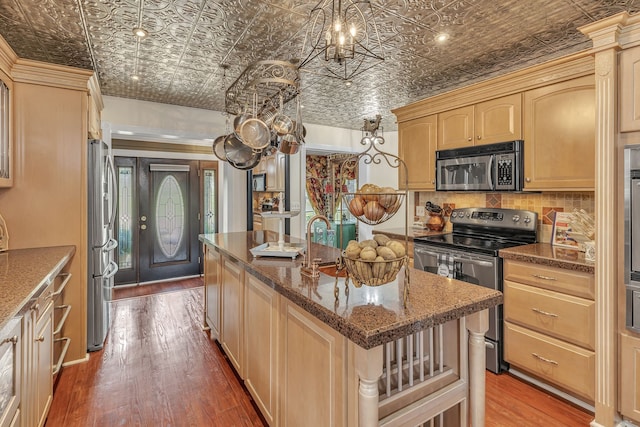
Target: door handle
x: 473, y: 261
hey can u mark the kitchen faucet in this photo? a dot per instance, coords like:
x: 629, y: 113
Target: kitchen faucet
x: 311, y: 265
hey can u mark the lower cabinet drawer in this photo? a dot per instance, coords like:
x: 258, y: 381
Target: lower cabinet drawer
x: 552, y: 313
x: 565, y: 365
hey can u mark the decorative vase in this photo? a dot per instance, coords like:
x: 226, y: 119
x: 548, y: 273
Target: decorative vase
x: 436, y: 221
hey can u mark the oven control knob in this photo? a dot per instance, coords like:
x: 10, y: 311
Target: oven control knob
x: 454, y: 214
x: 516, y: 218
x: 527, y: 220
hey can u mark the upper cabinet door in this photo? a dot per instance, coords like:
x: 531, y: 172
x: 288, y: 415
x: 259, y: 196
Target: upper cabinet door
x: 417, y: 147
x: 455, y: 128
x: 6, y: 131
x: 499, y: 120
x: 630, y: 90
x: 559, y: 136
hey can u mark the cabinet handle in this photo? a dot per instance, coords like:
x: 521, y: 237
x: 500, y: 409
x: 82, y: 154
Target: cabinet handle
x: 546, y: 313
x: 13, y: 340
x: 40, y: 338
x: 540, y: 276
x: 544, y: 359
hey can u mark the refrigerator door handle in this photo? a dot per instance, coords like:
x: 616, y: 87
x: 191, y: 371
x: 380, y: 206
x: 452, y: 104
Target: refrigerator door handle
x: 110, y: 271
x: 114, y: 191
x: 110, y: 245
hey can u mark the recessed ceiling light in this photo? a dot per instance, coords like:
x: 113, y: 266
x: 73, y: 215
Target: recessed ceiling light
x: 140, y: 32
x: 348, y: 83
x: 135, y: 78
x: 442, y: 37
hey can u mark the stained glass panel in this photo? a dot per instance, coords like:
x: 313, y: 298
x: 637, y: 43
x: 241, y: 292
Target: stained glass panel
x: 125, y: 217
x: 210, y: 220
x: 170, y: 216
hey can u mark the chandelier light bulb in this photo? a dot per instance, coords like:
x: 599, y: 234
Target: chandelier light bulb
x: 338, y: 25
x: 352, y: 30
x: 341, y: 39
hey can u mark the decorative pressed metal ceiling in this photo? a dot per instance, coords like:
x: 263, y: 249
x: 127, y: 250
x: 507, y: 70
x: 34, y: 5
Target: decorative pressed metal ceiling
x: 179, y: 61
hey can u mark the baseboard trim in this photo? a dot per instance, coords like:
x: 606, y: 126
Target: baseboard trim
x: 85, y: 359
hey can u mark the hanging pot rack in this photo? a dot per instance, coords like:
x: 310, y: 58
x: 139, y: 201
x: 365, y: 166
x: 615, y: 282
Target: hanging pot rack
x: 268, y: 80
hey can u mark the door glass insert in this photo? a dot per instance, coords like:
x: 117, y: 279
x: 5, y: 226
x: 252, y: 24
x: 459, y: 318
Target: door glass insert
x: 209, y: 196
x: 169, y: 216
x: 125, y: 208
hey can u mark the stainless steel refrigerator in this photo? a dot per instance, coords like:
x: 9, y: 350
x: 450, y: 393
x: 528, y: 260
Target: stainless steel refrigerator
x: 102, y: 268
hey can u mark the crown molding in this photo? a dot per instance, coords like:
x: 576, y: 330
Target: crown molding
x: 46, y: 74
x: 558, y: 70
x: 7, y: 56
x: 94, y: 90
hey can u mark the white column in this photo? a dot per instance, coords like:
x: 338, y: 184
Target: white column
x: 369, y: 369
x: 477, y: 325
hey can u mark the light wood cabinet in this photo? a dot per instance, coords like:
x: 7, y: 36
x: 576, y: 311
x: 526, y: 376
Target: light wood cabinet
x: 417, y: 147
x: 313, y: 389
x: 233, y: 313
x: 455, y: 128
x: 559, y: 136
x: 10, y: 373
x: 6, y: 131
x: 43, y: 365
x: 212, y: 289
x: 629, y: 372
x: 549, y: 323
x: 495, y: 120
x: 261, y: 305
x: 630, y: 90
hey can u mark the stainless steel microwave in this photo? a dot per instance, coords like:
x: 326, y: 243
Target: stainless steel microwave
x: 260, y: 182
x: 490, y: 167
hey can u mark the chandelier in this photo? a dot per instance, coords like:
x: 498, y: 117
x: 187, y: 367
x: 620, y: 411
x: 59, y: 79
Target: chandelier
x: 345, y: 35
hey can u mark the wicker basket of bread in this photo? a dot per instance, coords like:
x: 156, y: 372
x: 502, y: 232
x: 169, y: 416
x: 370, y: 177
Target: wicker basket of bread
x: 374, y: 262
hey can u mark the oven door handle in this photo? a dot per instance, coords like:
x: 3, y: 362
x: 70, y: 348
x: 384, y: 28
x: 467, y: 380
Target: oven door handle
x: 473, y: 261
x: 426, y: 252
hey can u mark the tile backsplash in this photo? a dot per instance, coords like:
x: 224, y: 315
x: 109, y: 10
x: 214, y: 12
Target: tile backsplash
x: 544, y: 204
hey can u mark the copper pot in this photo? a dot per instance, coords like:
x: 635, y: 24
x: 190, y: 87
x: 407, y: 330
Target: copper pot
x: 289, y: 144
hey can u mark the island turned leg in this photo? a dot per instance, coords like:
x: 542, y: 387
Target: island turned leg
x: 477, y: 325
x: 369, y: 368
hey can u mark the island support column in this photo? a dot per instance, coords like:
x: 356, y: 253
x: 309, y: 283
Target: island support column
x: 369, y: 368
x: 477, y: 325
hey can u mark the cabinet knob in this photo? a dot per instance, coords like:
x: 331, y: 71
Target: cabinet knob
x: 527, y: 179
x: 143, y: 226
x: 470, y: 139
x: 479, y: 137
x: 40, y: 338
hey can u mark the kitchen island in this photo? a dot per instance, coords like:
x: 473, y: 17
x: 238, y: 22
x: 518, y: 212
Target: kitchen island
x: 361, y: 359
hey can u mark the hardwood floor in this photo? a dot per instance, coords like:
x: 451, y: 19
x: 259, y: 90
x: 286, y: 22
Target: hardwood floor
x: 120, y: 292
x: 158, y: 368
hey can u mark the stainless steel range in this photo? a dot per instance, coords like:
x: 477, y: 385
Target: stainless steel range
x: 470, y: 254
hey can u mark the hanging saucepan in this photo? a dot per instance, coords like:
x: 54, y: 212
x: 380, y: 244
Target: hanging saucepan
x: 268, y: 114
x: 282, y: 124
x: 218, y: 148
x: 238, y: 121
x: 255, y: 133
x: 251, y: 163
x: 235, y: 151
x: 289, y: 144
x: 300, y: 131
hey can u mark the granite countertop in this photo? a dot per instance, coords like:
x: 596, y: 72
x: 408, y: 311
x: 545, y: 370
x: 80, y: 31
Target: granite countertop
x: 24, y: 275
x: 370, y: 316
x: 398, y: 233
x: 552, y: 256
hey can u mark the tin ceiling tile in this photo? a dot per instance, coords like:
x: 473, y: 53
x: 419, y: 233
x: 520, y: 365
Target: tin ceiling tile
x: 179, y: 62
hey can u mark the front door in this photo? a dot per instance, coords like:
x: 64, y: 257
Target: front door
x: 158, y: 222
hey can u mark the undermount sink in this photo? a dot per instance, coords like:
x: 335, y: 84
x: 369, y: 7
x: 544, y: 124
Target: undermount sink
x: 332, y: 270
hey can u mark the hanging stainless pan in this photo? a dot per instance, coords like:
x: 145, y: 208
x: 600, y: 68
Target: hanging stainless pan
x: 251, y: 163
x: 235, y: 151
x: 238, y: 121
x: 218, y: 148
x: 255, y: 133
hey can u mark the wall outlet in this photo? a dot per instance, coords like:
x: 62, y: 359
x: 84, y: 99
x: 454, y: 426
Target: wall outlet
x: 420, y: 211
x: 295, y: 206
